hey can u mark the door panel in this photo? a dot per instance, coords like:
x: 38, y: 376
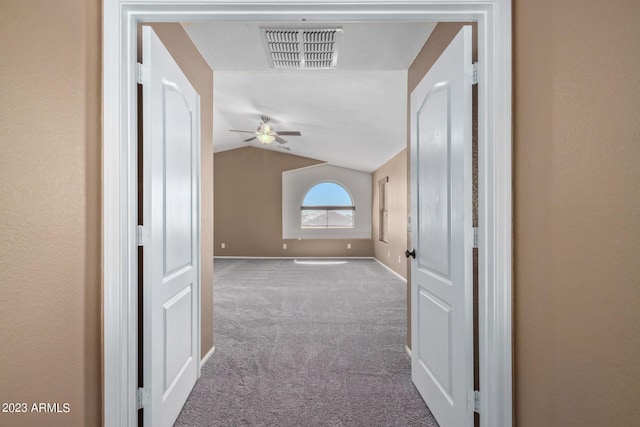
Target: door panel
x: 171, y: 203
x: 177, y: 320
x: 433, y: 204
x: 441, y: 275
x: 435, y: 347
x: 177, y: 185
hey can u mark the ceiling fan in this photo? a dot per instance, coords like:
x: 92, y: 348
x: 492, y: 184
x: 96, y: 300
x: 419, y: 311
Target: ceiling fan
x: 266, y: 134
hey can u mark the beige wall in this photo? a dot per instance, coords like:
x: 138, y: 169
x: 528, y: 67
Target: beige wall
x: 391, y: 253
x: 577, y: 212
x: 200, y: 75
x: 248, y: 208
x: 50, y: 136
x: 438, y: 41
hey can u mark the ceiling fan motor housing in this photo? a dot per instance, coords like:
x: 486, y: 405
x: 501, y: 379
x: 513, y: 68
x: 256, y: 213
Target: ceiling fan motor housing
x: 266, y: 129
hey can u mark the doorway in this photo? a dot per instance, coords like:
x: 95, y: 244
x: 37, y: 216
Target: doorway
x: 494, y: 178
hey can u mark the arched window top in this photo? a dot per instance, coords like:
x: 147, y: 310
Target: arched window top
x: 327, y: 194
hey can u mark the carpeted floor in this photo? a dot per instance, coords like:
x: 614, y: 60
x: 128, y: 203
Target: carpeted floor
x: 307, y: 345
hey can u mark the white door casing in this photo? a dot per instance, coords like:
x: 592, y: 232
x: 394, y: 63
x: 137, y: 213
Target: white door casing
x: 442, y: 235
x: 119, y: 150
x: 171, y: 260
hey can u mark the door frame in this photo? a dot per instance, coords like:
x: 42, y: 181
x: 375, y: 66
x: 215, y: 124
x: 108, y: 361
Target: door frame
x: 119, y: 191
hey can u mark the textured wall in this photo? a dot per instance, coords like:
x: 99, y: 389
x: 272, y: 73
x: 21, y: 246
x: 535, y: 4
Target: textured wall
x: 200, y: 75
x: 50, y: 192
x: 391, y: 253
x: 577, y: 212
x: 248, y: 208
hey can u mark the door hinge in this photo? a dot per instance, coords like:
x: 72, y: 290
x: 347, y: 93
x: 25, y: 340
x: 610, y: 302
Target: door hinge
x: 473, y: 400
x: 143, y: 398
x: 475, y: 237
x: 474, y: 73
x: 142, y: 235
x: 141, y: 74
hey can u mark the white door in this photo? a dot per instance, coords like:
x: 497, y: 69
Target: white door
x: 171, y: 253
x: 442, y: 235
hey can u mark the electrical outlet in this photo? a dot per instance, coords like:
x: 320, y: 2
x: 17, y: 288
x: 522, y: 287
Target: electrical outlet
x: 399, y: 260
x: 388, y: 254
x: 223, y: 245
x: 284, y: 246
x: 348, y: 245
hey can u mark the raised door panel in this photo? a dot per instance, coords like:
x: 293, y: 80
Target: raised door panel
x: 177, y: 182
x: 434, y: 184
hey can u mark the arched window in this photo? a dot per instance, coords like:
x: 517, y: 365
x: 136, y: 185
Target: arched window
x: 327, y: 205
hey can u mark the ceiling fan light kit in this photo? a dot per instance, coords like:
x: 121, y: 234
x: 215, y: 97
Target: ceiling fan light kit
x: 265, y: 138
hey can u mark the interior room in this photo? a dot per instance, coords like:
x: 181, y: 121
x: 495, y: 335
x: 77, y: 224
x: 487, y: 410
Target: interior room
x: 351, y: 115
x: 330, y: 187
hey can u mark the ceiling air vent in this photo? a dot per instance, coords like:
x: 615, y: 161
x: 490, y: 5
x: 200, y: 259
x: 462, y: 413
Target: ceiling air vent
x: 302, y: 48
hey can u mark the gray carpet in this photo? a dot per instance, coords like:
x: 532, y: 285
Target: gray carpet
x: 306, y: 345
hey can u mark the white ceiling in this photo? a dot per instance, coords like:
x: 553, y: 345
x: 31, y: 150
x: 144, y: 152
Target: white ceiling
x: 354, y: 116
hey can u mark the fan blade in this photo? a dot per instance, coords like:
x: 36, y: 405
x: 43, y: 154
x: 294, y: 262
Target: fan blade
x: 243, y: 131
x: 280, y: 140
x: 290, y: 132
x: 250, y: 139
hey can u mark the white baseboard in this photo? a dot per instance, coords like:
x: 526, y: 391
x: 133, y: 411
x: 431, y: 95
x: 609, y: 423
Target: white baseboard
x: 207, y: 356
x: 388, y: 268
x: 408, y: 350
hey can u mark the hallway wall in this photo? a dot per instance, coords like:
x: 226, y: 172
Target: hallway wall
x: 577, y: 212
x: 50, y: 210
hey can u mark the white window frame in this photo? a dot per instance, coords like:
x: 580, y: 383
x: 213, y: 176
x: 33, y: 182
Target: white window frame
x: 351, y: 207
x: 120, y: 20
x: 297, y: 182
x: 383, y: 208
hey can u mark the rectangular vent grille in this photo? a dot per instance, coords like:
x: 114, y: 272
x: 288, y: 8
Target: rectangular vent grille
x: 304, y: 49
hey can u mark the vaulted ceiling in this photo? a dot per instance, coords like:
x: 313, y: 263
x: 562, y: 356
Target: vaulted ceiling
x: 352, y: 116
